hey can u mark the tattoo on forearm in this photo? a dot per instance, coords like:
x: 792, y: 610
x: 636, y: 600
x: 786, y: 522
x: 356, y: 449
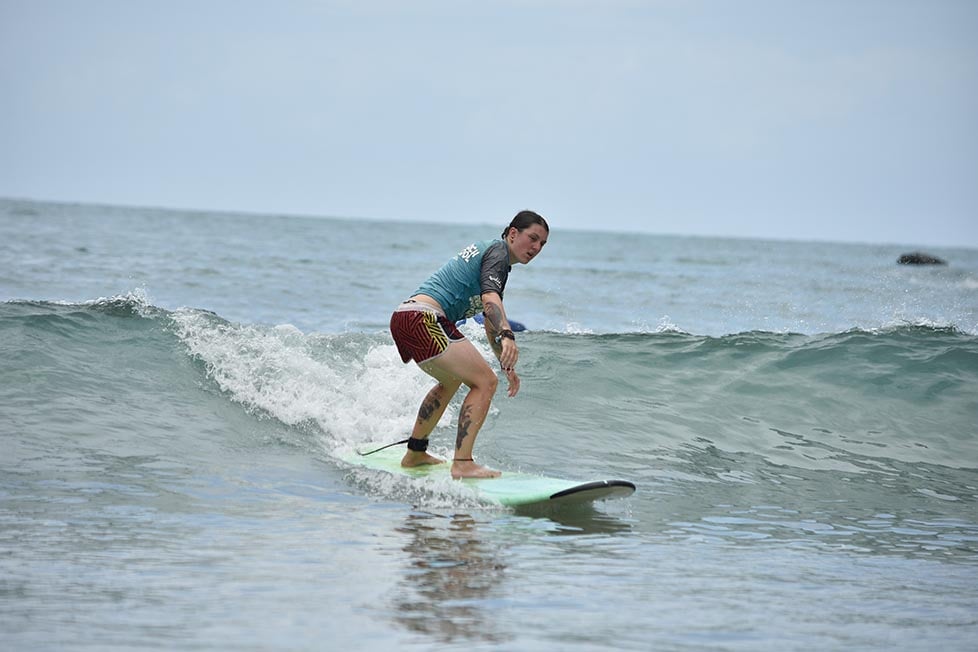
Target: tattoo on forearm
x: 464, y: 423
x: 494, y: 324
x: 494, y: 316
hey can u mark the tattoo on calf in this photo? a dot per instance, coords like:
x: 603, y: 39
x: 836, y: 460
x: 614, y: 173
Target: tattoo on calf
x: 464, y: 423
x: 428, y: 407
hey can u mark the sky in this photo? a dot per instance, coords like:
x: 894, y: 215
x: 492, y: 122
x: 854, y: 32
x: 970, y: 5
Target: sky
x: 838, y: 120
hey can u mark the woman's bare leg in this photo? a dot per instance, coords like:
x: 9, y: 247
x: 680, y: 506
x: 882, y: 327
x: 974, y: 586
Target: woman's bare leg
x: 432, y: 408
x: 462, y: 363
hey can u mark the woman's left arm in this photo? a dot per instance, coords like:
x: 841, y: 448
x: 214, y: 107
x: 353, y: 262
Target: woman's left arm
x: 501, y: 338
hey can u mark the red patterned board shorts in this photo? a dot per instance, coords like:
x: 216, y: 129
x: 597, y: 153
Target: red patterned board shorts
x: 421, y: 332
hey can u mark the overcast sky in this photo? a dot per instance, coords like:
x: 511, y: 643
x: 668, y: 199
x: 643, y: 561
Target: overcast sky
x: 843, y: 120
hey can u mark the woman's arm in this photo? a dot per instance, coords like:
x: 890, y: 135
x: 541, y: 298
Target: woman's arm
x: 501, y: 338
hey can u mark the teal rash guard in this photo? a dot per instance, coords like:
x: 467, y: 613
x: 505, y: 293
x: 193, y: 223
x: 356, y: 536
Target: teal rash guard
x: 459, y: 284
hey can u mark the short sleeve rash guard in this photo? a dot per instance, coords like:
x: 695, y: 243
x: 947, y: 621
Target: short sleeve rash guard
x: 460, y: 283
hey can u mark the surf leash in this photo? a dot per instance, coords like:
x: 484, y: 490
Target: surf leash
x: 377, y: 450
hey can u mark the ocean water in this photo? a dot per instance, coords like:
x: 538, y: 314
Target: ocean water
x: 176, y: 389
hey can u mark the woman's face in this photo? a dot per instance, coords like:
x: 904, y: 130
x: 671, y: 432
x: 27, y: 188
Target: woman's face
x: 526, y: 244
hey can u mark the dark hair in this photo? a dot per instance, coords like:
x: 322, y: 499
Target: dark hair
x: 525, y: 219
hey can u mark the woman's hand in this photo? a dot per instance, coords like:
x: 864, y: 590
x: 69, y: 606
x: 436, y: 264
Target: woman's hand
x: 514, y: 381
x: 509, y: 354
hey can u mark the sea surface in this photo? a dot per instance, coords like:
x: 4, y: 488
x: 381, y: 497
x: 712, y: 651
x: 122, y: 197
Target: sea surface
x: 176, y: 389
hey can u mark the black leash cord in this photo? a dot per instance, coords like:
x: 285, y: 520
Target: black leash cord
x: 376, y: 450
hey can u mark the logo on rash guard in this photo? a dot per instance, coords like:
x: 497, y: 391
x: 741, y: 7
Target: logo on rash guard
x: 468, y: 253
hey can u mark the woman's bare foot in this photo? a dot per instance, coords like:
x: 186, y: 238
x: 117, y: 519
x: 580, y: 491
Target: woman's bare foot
x: 419, y: 458
x: 469, y: 469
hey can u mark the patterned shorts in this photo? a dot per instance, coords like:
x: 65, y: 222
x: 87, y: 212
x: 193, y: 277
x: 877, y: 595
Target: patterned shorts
x: 421, y: 332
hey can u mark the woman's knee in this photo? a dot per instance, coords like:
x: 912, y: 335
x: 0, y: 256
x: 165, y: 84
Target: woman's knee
x: 487, y: 381
x: 447, y: 388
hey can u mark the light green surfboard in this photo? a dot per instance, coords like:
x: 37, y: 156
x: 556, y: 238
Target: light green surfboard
x: 512, y: 489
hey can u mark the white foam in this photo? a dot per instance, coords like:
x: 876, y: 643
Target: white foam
x: 299, y: 378
x: 666, y: 325
x: 354, y: 387
x: 574, y: 328
x: 433, y: 493
x: 138, y: 298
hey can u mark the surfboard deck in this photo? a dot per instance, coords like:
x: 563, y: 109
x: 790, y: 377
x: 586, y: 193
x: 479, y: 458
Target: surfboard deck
x: 512, y: 489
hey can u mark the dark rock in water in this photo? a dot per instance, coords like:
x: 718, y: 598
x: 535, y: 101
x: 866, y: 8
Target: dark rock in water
x: 918, y: 258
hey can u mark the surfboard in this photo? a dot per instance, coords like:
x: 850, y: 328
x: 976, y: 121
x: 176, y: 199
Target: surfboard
x: 514, y: 326
x: 512, y: 489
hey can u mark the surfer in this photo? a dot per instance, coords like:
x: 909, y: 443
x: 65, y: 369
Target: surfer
x: 424, y: 330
